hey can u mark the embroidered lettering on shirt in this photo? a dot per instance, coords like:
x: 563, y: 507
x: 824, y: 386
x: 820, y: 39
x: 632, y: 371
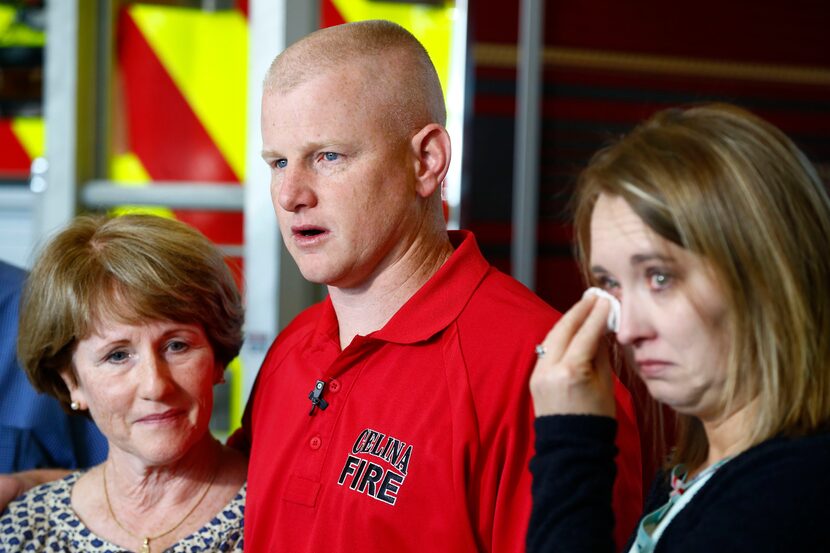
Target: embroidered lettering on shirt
x: 376, y: 466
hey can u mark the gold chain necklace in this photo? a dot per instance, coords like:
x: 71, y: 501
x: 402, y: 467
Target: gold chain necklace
x: 145, y: 541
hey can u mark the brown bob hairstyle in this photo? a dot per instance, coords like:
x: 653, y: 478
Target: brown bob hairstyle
x: 134, y: 268
x: 733, y: 189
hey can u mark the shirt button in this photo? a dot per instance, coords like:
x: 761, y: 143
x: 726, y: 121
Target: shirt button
x: 334, y: 385
x: 315, y: 442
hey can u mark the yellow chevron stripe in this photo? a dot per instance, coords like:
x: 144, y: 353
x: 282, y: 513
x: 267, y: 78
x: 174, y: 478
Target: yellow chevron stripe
x: 127, y: 170
x: 206, y: 54
x: 7, y: 15
x: 432, y: 25
x: 237, y: 402
x: 31, y: 133
x: 14, y: 33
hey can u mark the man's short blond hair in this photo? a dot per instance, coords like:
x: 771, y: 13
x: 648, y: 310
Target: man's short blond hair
x: 396, y: 66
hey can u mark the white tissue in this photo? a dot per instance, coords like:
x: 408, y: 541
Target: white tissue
x: 613, y: 322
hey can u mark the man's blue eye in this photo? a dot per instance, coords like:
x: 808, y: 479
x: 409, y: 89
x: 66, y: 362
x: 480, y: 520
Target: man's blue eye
x: 331, y: 156
x: 281, y: 163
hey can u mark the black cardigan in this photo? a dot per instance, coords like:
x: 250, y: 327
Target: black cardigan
x: 774, y: 497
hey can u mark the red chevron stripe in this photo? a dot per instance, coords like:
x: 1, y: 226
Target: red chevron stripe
x: 166, y: 135
x: 163, y: 130
x: 330, y: 15
x: 242, y: 5
x: 14, y: 161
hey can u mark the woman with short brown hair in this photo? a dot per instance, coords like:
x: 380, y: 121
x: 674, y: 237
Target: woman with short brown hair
x: 132, y: 321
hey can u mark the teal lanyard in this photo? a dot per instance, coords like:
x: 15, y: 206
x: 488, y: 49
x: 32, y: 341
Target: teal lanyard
x: 644, y: 542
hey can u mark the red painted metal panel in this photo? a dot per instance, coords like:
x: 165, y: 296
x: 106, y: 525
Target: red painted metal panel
x: 14, y: 161
x: 329, y: 14
x: 165, y: 133
x: 793, y: 32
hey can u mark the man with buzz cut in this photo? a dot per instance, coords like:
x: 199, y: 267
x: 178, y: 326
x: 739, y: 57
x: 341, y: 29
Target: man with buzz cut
x: 395, y: 415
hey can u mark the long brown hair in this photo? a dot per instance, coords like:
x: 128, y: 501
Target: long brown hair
x: 732, y: 188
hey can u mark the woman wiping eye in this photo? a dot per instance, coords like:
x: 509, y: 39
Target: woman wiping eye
x: 710, y: 228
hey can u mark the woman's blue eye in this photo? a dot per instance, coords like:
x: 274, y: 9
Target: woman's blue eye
x: 331, y: 156
x: 607, y: 283
x: 658, y: 280
x: 118, y: 356
x: 177, y: 345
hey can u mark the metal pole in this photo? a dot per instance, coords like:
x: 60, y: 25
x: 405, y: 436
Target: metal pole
x: 262, y: 248
x: 526, y: 154
x: 56, y: 200
x: 275, y: 291
x: 175, y: 195
x: 457, y: 111
x: 78, y: 72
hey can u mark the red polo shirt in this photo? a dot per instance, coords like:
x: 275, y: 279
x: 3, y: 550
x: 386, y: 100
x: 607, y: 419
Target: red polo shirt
x: 425, y: 442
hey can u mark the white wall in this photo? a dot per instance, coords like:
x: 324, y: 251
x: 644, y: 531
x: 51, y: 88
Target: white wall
x: 16, y: 225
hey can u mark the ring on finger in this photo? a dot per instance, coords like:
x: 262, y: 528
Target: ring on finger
x: 540, y: 350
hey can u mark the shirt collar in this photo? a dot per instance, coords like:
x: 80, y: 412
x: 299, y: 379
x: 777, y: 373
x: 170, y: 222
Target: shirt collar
x: 442, y: 298
x: 433, y: 307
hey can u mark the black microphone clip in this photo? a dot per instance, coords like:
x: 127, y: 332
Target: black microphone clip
x: 316, y: 397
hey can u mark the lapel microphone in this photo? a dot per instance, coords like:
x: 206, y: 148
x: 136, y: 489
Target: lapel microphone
x: 316, y: 397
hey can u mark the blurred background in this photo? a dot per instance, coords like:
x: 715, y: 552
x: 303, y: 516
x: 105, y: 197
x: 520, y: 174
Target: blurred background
x: 116, y: 105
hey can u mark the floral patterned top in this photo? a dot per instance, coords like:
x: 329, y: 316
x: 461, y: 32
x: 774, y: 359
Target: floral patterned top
x: 43, y: 520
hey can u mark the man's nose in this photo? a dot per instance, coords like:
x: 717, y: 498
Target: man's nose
x: 294, y: 188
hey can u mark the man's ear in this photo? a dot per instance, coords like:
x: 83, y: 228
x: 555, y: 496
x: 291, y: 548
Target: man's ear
x: 432, y: 150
